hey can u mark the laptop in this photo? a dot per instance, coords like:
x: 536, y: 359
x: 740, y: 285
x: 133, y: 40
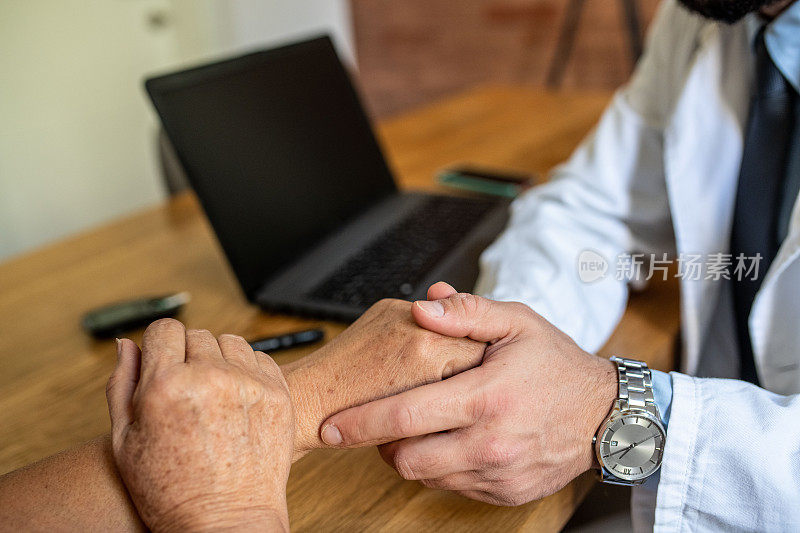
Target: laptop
x: 282, y: 157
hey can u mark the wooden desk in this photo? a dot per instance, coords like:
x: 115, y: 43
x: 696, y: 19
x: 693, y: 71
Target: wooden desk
x: 52, y: 376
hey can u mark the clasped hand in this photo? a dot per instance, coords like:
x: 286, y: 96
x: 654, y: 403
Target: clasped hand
x: 485, y: 398
x: 204, y: 429
x: 514, y: 429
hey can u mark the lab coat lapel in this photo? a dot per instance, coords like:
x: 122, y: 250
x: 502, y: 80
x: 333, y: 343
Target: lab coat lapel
x: 775, y: 319
x: 702, y: 154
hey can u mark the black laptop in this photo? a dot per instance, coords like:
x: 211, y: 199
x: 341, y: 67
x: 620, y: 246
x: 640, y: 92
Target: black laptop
x: 284, y: 161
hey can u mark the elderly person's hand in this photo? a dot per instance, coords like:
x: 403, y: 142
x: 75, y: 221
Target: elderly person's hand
x: 202, y: 431
x: 383, y: 353
x: 514, y: 429
x: 204, y: 437
x: 207, y: 407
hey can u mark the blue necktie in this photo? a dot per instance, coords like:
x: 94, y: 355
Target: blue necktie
x: 765, y: 188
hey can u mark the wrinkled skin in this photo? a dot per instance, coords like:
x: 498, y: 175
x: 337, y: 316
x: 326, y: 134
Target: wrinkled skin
x: 384, y: 352
x: 203, y: 439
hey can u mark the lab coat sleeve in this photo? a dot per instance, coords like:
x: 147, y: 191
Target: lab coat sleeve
x: 731, y: 459
x: 610, y: 198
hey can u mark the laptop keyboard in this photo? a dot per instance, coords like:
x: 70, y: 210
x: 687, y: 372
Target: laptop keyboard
x: 393, y: 264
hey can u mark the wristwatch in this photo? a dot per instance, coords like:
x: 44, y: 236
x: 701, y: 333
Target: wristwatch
x: 630, y: 443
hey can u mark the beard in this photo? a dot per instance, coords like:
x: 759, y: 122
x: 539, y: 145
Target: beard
x: 729, y: 11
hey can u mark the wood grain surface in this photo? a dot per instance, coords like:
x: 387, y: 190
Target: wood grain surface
x: 52, y: 375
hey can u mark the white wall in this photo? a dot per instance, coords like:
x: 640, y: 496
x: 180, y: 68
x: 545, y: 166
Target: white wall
x: 76, y: 131
x: 253, y: 23
x: 72, y: 147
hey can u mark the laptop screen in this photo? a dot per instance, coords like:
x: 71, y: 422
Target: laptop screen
x: 277, y: 147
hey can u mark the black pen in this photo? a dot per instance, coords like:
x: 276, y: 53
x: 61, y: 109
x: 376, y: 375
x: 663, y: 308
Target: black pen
x: 288, y: 340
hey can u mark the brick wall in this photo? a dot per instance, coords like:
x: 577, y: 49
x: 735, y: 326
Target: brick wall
x: 413, y: 51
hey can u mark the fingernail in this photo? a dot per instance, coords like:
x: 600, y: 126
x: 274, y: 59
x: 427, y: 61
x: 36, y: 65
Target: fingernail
x: 119, y: 346
x: 433, y: 308
x: 331, y: 435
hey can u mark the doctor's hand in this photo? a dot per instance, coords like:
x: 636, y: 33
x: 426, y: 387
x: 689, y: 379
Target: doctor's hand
x: 515, y: 429
x: 202, y: 431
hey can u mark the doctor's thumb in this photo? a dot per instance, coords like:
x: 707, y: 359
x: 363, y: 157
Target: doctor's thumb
x: 467, y: 315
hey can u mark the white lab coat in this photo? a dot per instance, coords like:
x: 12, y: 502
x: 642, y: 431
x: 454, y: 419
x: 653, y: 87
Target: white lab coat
x: 659, y: 174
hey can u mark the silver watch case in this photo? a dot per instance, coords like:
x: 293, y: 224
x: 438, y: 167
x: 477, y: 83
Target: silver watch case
x: 616, y: 478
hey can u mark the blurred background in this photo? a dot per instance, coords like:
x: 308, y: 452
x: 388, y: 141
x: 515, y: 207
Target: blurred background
x: 78, y: 140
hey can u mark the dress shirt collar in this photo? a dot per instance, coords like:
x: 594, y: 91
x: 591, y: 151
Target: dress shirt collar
x: 782, y: 38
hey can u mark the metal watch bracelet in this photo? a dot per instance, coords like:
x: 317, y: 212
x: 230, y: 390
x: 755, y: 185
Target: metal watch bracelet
x: 635, y: 386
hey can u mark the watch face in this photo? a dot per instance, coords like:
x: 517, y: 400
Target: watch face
x: 631, y: 446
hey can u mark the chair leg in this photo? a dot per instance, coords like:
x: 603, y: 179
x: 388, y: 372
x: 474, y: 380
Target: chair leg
x: 631, y: 21
x: 566, y: 40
